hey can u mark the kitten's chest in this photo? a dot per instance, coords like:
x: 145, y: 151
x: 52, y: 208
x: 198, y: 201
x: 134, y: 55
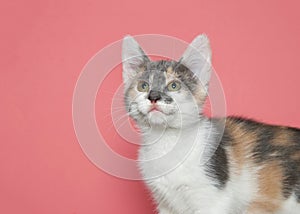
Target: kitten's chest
x: 170, y: 151
x: 178, y: 177
x: 186, y: 189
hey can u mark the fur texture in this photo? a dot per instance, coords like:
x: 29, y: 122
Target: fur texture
x: 255, y: 168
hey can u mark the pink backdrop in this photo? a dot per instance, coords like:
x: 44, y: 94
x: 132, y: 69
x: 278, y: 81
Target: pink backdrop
x: 44, y: 46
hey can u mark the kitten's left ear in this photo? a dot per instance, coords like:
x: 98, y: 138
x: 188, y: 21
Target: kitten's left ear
x: 133, y: 58
x: 197, y: 58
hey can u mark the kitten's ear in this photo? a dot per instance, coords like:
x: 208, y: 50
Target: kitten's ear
x: 197, y: 58
x: 133, y: 57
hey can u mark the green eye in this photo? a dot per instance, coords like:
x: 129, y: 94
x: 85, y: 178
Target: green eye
x: 143, y: 86
x: 174, y: 86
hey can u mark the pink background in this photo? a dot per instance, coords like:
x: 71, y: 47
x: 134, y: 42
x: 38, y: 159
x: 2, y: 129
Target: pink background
x: 44, y: 46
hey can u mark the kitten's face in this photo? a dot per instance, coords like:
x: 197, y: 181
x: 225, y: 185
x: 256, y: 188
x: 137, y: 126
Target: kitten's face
x: 161, y: 93
x: 164, y: 93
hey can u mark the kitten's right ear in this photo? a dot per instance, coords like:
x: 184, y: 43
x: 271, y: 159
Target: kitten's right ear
x: 133, y: 57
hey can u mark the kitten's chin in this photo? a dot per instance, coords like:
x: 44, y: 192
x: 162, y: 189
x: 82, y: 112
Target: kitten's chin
x: 157, y: 118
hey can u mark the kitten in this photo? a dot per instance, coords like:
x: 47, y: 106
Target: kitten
x: 188, y: 162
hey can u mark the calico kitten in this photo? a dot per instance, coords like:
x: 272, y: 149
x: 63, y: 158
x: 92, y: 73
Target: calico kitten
x: 253, y: 168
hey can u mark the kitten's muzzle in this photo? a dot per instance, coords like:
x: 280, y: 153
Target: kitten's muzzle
x: 154, y: 96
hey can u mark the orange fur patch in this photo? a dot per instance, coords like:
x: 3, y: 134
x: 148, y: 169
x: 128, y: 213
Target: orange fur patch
x: 242, y: 145
x: 170, y: 70
x: 261, y: 207
x: 270, y: 179
x: 282, y: 137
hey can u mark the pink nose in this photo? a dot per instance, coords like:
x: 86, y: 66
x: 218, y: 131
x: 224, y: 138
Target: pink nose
x: 154, y: 96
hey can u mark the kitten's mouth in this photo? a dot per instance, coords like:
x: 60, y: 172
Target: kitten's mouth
x: 154, y: 108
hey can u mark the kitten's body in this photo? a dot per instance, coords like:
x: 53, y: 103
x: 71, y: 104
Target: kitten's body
x: 255, y: 168
x: 249, y: 173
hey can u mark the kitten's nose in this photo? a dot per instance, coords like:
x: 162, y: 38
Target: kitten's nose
x: 154, y: 96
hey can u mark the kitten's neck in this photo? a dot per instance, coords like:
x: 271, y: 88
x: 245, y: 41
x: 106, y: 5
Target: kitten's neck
x: 164, y: 149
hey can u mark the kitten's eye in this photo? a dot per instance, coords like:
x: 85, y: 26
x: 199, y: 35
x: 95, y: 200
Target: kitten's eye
x: 174, y: 86
x: 143, y: 86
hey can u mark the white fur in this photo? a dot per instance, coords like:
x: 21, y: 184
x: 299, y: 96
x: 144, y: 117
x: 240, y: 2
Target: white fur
x: 290, y: 206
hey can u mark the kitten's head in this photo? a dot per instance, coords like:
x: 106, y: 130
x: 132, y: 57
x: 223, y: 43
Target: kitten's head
x: 166, y: 93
